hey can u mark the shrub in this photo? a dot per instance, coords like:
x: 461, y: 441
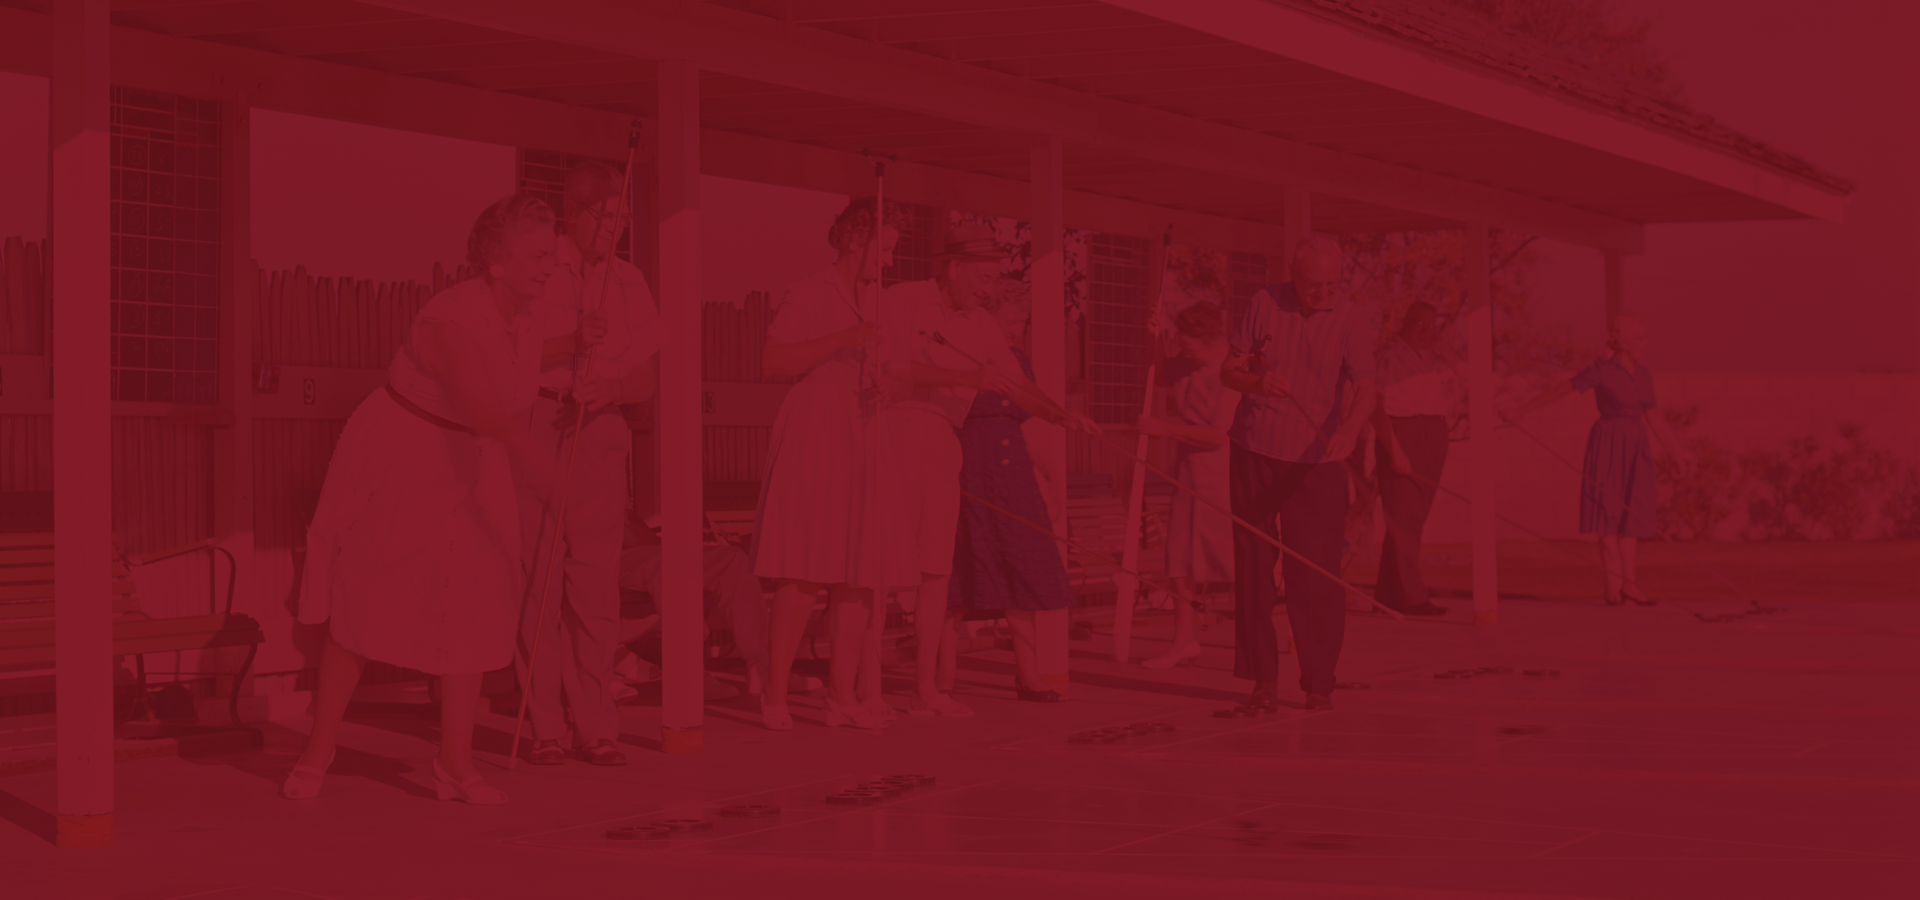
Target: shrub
x: 1696, y: 498
x: 1902, y: 509
x: 1813, y: 492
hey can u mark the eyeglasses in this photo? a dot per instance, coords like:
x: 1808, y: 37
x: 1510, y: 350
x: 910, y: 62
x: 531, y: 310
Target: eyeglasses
x: 600, y: 218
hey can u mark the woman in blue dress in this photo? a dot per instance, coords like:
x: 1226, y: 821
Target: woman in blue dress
x: 1000, y: 564
x: 1618, y: 493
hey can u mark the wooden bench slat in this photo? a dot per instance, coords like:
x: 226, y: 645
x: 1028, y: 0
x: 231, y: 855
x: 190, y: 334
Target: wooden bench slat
x: 43, y: 609
x: 44, y: 591
x: 42, y: 572
x: 13, y: 539
x: 33, y: 644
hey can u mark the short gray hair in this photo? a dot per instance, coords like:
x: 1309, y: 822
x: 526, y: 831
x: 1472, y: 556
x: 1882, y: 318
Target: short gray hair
x: 488, y: 239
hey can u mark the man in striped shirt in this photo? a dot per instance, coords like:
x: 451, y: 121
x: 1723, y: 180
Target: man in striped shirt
x: 1304, y: 363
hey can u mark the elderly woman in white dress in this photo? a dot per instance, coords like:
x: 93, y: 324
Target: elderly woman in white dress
x: 1199, y: 539
x: 415, y: 551
x: 821, y: 520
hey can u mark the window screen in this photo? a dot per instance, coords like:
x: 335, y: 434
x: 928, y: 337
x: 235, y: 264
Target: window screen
x: 1246, y: 275
x: 919, y: 235
x: 1116, y: 316
x: 166, y: 247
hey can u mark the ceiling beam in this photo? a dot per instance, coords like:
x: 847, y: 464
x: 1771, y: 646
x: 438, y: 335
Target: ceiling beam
x: 764, y: 49
x: 1302, y: 35
x: 144, y: 59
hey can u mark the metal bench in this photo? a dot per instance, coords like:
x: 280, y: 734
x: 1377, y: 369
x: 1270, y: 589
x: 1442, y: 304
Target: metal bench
x: 26, y: 613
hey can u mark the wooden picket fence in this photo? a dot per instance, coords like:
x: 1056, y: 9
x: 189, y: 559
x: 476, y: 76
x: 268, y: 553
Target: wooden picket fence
x: 304, y: 320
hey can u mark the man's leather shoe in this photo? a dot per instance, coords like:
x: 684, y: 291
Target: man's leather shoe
x: 1319, y: 701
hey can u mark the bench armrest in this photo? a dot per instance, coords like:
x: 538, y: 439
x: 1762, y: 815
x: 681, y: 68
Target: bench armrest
x: 209, y: 544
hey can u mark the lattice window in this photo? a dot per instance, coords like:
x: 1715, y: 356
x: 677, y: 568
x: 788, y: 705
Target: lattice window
x: 1117, y: 341
x: 543, y: 173
x: 919, y: 237
x: 1246, y: 275
x: 166, y: 247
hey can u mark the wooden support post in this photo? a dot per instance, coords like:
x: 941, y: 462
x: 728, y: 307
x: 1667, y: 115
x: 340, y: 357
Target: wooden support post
x: 1049, y: 275
x: 1485, y: 475
x: 646, y: 257
x: 1296, y: 225
x: 678, y: 418
x: 1616, y: 288
x: 239, y: 299
x: 82, y: 424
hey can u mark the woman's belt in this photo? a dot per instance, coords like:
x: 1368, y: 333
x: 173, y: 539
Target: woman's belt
x: 556, y: 396
x: 414, y: 408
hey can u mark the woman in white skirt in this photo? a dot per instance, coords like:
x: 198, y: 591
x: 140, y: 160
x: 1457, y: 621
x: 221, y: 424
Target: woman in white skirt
x: 822, y: 519
x: 1199, y: 539
x: 414, y: 555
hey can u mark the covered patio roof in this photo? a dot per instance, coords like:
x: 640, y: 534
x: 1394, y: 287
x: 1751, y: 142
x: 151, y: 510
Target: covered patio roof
x: 1394, y: 114
x: 1240, y: 124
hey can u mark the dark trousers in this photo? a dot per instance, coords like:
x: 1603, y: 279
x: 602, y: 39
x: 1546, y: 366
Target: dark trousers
x: 1407, y: 501
x: 1310, y: 500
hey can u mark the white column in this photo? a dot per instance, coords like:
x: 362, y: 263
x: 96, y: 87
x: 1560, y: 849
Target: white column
x: 1049, y: 275
x: 239, y: 290
x: 1486, y: 597
x: 1616, y: 287
x: 82, y: 419
x: 1296, y: 225
x: 678, y: 407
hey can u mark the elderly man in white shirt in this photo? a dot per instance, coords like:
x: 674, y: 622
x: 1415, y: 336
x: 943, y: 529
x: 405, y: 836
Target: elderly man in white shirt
x: 1411, y: 422
x: 592, y: 293
x: 948, y: 349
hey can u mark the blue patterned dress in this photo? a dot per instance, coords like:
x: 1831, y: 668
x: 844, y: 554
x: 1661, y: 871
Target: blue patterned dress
x: 1618, y: 495
x: 999, y: 563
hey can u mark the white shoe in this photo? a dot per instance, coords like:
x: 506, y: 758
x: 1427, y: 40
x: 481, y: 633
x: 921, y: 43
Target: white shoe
x: 856, y: 715
x: 1187, y: 655
x: 776, y: 718
x: 303, y: 783
x: 880, y: 707
x: 476, y: 791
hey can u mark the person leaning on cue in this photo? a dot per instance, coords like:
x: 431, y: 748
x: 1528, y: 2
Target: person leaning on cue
x: 1411, y: 425
x: 581, y: 632
x: 1199, y: 539
x: 415, y: 547
x: 1302, y: 346
x: 1618, y: 487
x: 936, y: 331
x: 820, y: 519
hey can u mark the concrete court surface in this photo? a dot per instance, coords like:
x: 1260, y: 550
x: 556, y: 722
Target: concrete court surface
x: 1773, y: 757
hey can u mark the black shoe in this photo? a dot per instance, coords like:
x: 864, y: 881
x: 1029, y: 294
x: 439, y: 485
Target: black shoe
x: 1263, y: 701
x: 1319, y: 701
x: 1038, y: 696
x: 1425, y: 609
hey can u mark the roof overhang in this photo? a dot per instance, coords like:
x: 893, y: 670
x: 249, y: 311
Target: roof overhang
x: 1300, y: 34
x: 1171, y: 112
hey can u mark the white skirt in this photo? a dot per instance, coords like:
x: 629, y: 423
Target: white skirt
x: 414, y: 555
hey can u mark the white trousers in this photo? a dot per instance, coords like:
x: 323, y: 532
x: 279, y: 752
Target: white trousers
x: 573, y: 662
